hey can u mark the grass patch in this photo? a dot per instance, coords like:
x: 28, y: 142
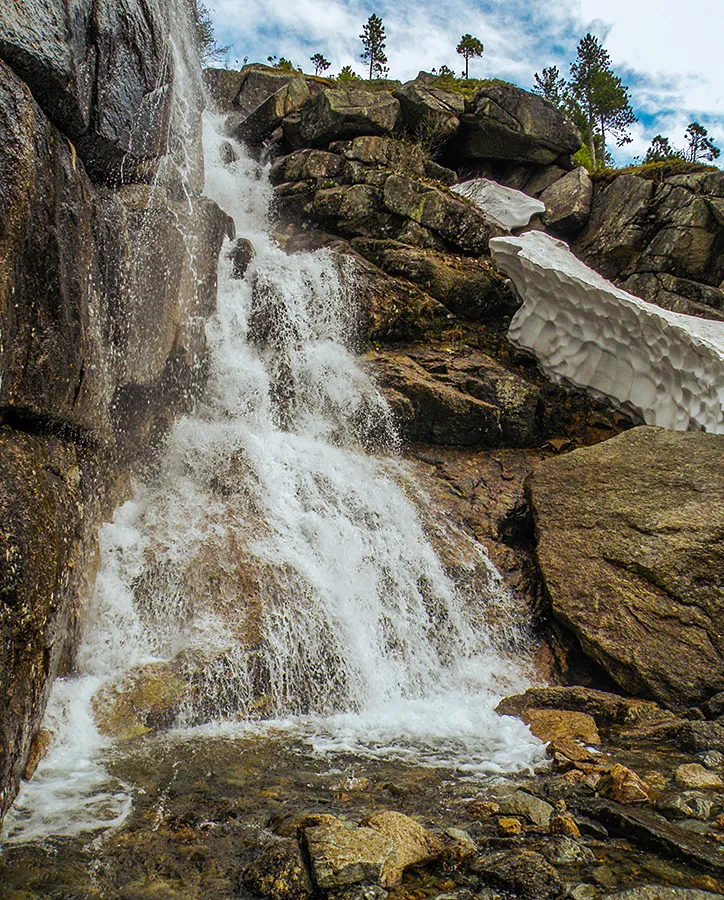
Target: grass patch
x: 656, y: 171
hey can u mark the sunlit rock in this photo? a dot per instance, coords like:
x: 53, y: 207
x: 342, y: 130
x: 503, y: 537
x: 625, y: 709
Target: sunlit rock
x: 665, y: 366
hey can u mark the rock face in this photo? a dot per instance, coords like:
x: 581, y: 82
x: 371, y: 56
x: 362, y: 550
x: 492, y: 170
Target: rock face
x: 430, y: 113
x: 343, y: 113
x: 665, y: 366
x: 630, y: 547
x: 568, y: 203
x: 507, y: 123
x: 100, y: 72
x: 661, y: 238
x: 103, y: 296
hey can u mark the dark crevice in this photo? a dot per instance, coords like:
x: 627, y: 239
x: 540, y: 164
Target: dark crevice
x: 32, y: 422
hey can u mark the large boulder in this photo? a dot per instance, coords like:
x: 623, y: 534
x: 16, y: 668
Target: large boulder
x: 430, y: 114
x: 347, y: 112
x: 101, y: 71
x: 470, y: 288
x: 630, y: 547
x: 507, y: 123
x: 265, y: 96
x: 568, y: 203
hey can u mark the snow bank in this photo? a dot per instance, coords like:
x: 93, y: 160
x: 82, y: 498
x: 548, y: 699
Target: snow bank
x: 665, y: 366
x: 508, y: 208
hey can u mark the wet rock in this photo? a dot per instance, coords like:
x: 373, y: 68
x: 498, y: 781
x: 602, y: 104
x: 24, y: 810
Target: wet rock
x: 659, y: 892
x: 523, y: 872
x: 509, y: 827
x: 456, y: 220
x: 521, y: 803
x: 569, y: 754
x: 39, y: 747
x: 341, y: 855
x: 507, y: 123
x: 689, y: 805
x: 628, y: 548
x: 241, y: 255
x: 649, y: 829
x: 626, y: 786
x: 100, y: 71
x: 227, y: 154
x: 565, y: 825
x: 146, y: 699
x: 714, y: 706
x: 694, y: 775
x: 430, y: 114
x: 279, y: 873
x: 548, y: 724
x: 564, y: 851
x: 48, y: 505
x: 414, y: 844
x: 606, y: 708
x: 294, y: 826
x: 470, y: 288
x: 713, y: 760
x: 342, y: 113
x: 568, y: 203
x: 358, y: 892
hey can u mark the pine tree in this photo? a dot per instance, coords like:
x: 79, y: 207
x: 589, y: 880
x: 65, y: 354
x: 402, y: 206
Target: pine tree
x: 347, y: 74
x: 700, y: 145
x: 209, y: 50
x: 373, y: 41
x: 661, y: 150
x: 601, y: 97
x: 468, y: 48
x: 552, y: 86
x: 320, y: 63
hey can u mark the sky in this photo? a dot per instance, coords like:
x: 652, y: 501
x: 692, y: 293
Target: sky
x: 669, y: 54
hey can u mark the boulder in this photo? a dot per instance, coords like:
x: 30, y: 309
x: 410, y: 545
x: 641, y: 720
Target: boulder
x: 694, y: 775
x: 680, y: 295
x: 455, y: 219
x: 414, y: 844
x: 549, y: 724
x: 469, y: 288
x: 341, y: 855
x: 430, y: 114
x: 630, y: 547
x: 627, y: 786
x: 346, y: 112
x: 522, y: 872
x: 279, y: 873
x: 506, y: 123
x: 521, y: 803
x: 384, y: 152
x: 305, y: 165
x: 568, y: 203
x: 264, y: 98
x: 466, y: 399
x: 101, y: 73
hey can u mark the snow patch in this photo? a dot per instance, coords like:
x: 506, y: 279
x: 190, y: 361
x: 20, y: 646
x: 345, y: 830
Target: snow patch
x: 507, y: 208
x: 665, y: 366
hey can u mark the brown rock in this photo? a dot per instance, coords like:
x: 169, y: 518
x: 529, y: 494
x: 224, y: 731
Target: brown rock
x: 414, y: 844
x: 39, y: 747
x: 564, y: 824
x: 694, y: 775
x: 340, y: 855
x: 548, y: 724
x: 509, y: 827
x: 627, y: 787
x: 629, y: 541
x: 523, y: 872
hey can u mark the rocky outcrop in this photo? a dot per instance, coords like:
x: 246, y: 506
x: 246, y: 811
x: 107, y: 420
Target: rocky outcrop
x: 102, y: 73
x: 660, y: 236
x: 506, y: 123
x: 568, y: 203
x: 345, y: 112
x: 105, y: 284
x: 630, y: 547
x: 431, y: 114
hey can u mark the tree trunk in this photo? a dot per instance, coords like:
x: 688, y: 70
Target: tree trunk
x: 591, y: 142
x: 603, y: 142
x: 372, y: 62
x: 467, y: 63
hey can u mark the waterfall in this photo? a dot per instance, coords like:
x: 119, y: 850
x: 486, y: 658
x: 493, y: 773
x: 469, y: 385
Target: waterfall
x: 276, y: 561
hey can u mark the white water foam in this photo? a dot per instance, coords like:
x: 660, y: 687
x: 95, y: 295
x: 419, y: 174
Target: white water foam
x: 278, y: 564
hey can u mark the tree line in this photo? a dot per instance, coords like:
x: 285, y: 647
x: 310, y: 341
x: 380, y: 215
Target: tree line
x: 598, y: 102
x: 593, y: 96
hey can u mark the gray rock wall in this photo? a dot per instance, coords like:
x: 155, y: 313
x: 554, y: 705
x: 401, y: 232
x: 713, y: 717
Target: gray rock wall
x: 105, y: 282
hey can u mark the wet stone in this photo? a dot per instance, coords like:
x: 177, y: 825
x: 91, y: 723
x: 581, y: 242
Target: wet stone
x: 694, y: 775
x: 523, y: 872
x: 564, y: 851
x: 520, y: 803
x: 279, y: 873
x: 342, y: 856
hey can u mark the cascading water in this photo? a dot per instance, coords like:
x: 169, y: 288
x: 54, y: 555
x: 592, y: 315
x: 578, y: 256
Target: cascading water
x: 273, y: 567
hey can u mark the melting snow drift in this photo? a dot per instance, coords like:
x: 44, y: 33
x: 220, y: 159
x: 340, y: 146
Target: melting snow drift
x: 506, y: 207
x: 666, y: 366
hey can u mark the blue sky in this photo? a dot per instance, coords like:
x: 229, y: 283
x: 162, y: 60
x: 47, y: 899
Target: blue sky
x: 670, y: 55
